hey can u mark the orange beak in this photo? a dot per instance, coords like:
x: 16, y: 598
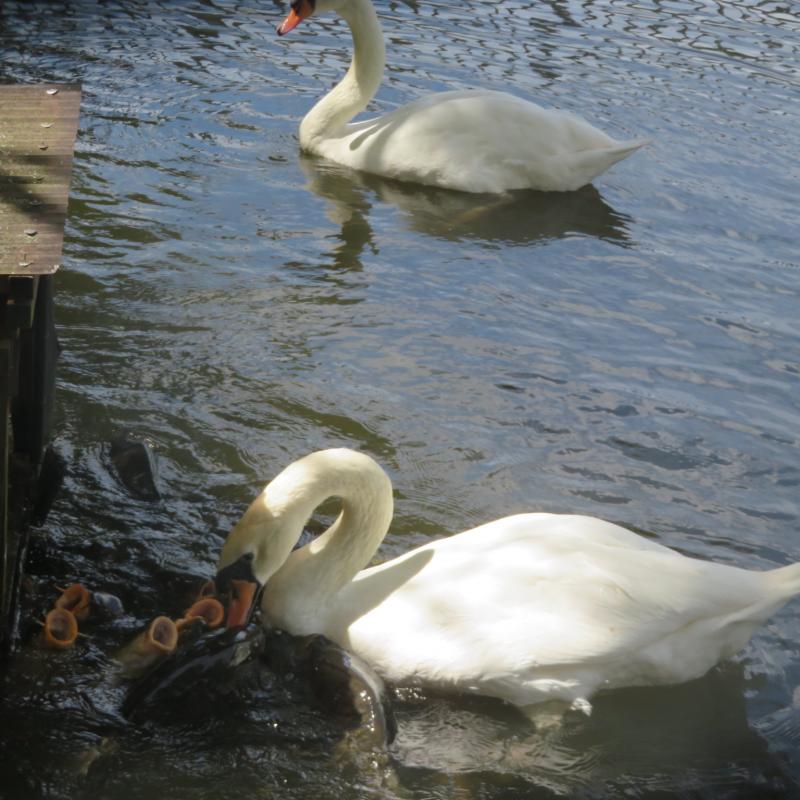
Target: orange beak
x: 243, y: 595
x: 297, y: 14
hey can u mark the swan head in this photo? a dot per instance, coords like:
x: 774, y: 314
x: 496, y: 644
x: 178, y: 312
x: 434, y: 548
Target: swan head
x: 237, y: 584
x: 301, y: 9
x: 261, y: 543
x: 253, y: 551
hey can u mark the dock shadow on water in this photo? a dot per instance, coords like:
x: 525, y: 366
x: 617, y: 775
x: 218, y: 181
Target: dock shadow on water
x: 517, y: 218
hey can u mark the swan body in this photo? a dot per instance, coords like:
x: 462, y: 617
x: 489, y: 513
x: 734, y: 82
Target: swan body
x: 528, y: 608
x: 472, y: 141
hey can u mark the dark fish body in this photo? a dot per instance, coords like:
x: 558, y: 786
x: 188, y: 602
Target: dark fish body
x: 106, y: 605
x: 343, y: 684
x: 211, y: 658
x: 340, y: 684
x: 135, y: 466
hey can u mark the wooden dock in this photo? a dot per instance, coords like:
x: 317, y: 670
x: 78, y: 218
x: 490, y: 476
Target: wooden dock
x: 38, y: 125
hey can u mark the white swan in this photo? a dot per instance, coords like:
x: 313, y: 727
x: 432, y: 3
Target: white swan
x: 474, y: 141
x: 527, y: 608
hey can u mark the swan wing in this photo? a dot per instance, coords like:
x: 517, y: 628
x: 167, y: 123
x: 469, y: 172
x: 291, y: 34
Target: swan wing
x: 541, y: 597
x: 478, y: 141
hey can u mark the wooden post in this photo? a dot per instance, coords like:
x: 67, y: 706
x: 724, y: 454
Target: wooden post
x: 6, y: 358
x: 38, y: 125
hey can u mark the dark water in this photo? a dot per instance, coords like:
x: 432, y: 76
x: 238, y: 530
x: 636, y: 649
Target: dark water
x: 630, y: 351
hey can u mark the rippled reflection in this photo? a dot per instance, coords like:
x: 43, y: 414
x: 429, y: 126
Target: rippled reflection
x: 652, y: 739
x: 518, y: 218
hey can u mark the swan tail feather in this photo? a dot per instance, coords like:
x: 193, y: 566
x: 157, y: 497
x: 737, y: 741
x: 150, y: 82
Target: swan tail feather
x: 619, y: 150
x: 787, y: 580
x: 629, y: 146
x: 582, y: 167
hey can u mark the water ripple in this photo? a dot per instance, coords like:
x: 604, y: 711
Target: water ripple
x: 629, y: 351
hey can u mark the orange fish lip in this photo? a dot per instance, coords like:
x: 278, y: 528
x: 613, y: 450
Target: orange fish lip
x: 60, y: 629
x: 161, y: 636
x: 242, y: 598
x: 209, y: 609
x: 75, y: 598
x: 296, y: 15
x: 206, y: 590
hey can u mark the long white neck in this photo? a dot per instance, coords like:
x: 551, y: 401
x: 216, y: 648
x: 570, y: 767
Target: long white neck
x: 329, y: 116
x: 298, y: 596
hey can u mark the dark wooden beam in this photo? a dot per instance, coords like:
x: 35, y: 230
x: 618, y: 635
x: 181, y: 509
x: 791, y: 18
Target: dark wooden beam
x: 38, y: 125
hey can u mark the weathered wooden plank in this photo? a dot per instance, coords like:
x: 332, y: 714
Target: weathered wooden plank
x: 38, y: 125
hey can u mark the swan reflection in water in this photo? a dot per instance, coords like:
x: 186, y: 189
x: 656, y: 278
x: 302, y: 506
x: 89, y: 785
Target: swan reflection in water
x: 666, y: 740
x: 525, y: 217
x: 670, y: 740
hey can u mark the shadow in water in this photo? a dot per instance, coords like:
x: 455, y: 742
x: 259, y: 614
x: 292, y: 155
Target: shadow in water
x: 516, y: 218
x: 668, y: 742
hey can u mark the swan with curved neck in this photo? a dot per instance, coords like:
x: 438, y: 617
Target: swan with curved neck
x: 527, y: 608
x: 473, y: 141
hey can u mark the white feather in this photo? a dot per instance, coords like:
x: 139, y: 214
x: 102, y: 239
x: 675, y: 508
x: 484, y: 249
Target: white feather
x: 528, y: 608
x: 473, y: 141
